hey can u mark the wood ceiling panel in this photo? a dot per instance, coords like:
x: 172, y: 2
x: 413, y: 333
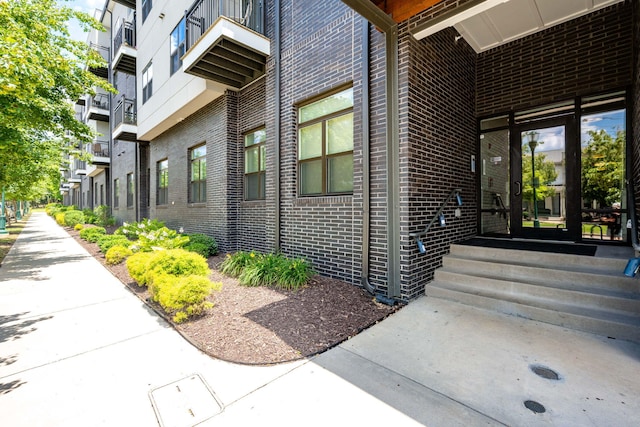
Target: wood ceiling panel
x: 401, y: 10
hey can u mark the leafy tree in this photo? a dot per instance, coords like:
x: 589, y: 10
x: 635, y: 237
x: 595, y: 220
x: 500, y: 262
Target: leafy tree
x: 43, y: 73
x: 603, y: 167
x: 546, y: 174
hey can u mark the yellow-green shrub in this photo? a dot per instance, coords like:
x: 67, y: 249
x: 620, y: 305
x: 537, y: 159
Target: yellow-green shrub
x: 78, y: 227
x: 182, y: 296
x: 117, y: 254
x: 178, y: 262
x: 60, y: 218
x: 138, y: 267
x: 92, y: 234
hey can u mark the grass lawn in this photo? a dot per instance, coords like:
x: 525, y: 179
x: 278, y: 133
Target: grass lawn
x: 586, y: 227
x: 6, y: 241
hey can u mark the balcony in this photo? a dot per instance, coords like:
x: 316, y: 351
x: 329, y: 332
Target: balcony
x: 99, y: 149
x: 224, y: 41
x: 131, y: 4
x: 125, y: 120
x: 103, y: 51
x: 124, y: 46
x: 99, y: 108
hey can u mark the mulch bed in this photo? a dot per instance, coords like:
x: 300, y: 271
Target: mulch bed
x: 259, y: 325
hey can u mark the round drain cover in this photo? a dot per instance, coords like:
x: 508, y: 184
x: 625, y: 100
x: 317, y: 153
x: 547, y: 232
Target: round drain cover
x: 534, y: 406
x: 545, y: 372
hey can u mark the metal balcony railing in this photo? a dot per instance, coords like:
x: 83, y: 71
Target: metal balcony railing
x: 99, y: 148
x: 126, y: 34
x: 101, y: 101
x: 125, y: 112
x: 203, y: 13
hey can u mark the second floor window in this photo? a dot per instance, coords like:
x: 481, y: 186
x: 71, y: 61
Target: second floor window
x: 177, y: 47
x: 198, y: 174
x: 325, y: 145
x: 162, y: 195
x: 254, y: 165
x: 146, y: 8
x: 131, y: 189
x: 147, y: 82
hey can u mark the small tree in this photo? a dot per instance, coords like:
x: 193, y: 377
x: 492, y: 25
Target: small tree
x: 603, y: 167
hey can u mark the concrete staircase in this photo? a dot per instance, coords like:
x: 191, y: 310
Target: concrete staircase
x: 585, y: 293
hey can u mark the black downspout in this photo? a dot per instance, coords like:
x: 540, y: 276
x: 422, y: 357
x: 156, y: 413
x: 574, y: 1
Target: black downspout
x: 366, y: 158
x: 276, y: 133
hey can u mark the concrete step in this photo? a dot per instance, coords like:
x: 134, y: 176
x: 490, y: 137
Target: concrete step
x: 542, y: 296
x: 586, y: 293
x: 588, y: 280
x: 592, y: 321
x: 565, y: 261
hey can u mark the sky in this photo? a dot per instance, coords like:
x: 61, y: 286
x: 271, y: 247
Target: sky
x: 88, y: 6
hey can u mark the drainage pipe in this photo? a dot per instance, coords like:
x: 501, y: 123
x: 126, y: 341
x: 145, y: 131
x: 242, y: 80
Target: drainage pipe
x: 366, y: 159
x: 277, y: 130
x: 385, y: 24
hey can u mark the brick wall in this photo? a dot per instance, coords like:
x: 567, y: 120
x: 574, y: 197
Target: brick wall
x: 582, y: 56
x: 123, y: 163
x: 635, y: 121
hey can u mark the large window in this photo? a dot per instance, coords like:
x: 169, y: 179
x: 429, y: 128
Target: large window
x: 177, y: 46
x: 325, y: 145
x: 162, y: 182
x: 146, y: 8
x: 116, y: 193
x: 131, y: 190
x: 254, y: 165
x: 147, y: 82
x: 198, y: 174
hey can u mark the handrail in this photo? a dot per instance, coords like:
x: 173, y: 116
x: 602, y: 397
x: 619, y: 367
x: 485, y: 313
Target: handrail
x: 633, y: 214
x: 416, y: 235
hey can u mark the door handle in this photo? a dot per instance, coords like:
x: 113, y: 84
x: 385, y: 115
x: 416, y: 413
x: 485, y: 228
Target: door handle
x: 519, y: 188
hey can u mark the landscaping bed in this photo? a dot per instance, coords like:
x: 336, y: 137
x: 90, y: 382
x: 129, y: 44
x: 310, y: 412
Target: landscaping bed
x: 260, y: 325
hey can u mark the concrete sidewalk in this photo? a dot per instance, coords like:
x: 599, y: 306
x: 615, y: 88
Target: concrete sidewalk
x: 78, y: 349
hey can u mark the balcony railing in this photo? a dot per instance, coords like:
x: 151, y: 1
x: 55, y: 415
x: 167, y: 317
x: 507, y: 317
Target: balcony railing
x: 100, y: 101
x: 125, y: 112
x: 126, y: 34
x: 203, y: 14
x: 103, y: 51
x: 99, y: 148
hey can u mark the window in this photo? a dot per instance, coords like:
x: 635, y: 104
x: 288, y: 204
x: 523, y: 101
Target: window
x: 162, y: 182
x: 254, y: 165
x: 146, y: 8
x: 198, y: 172
x: 325, y: 145
x: 131, y: 189
x: 116, y: 193
x: 177, y: 46
x: 95, y: 194
x: 147, y: 82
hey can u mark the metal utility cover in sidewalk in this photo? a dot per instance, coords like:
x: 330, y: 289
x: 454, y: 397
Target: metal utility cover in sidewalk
x: 184, y: 403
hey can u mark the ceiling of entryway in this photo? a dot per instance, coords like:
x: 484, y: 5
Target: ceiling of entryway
x: 485, y: 24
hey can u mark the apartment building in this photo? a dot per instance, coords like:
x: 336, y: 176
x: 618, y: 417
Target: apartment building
x: 337, y: 130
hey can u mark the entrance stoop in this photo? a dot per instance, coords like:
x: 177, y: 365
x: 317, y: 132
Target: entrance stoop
x: 585, y: 293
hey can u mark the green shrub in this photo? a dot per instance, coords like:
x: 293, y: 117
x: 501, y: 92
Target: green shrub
x: 117, y: 254
x: 78, y: 227
x: 294, y: 274
x: 183, y: 296
x: 60, y: 218
x: 233, y: 264
x: 89, y: 216
x: 263, y: 270
x: 202, y: 244
x: 162, y: 238
x: 52, y: 208
x: 108, y: 241
x: 138, y: 267
x: 178, y: 262
x: 92, y: 234
x: 134, y: 229
x: 102, y: 216
x: 72, y: 218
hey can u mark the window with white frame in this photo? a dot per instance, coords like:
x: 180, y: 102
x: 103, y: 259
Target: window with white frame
x: 198, y: 174
x: 254, y: 165
x: 325, y: 145
x: 147, y: 82
x: 177, y: 46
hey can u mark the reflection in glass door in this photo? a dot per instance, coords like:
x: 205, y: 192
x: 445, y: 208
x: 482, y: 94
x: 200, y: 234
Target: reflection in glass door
x: 543, y: 185
x: 494, y: 183
x: 604, y: 199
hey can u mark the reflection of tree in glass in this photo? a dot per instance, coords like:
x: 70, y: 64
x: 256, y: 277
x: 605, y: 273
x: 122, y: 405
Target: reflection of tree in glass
x: 545, y: 175
x: 603, y: 167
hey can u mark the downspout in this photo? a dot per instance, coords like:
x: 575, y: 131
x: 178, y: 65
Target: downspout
x: 276, y: 133
x: 385, y: 24
x: 366, y: 159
